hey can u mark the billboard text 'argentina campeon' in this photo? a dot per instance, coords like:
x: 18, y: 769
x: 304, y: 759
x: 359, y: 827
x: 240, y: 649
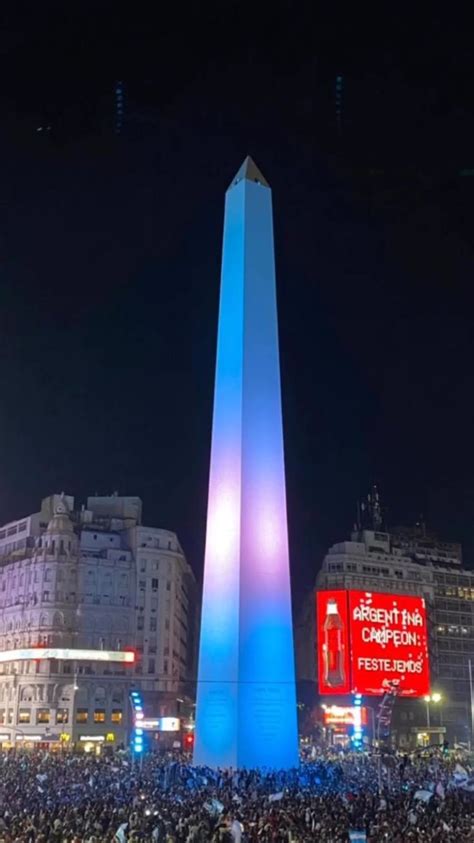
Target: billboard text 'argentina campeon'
x: 370, y: 642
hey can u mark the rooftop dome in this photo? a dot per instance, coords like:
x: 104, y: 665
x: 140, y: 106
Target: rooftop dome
x: 60, y: 522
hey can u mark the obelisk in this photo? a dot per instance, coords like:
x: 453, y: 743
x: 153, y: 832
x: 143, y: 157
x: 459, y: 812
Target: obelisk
x: 246, y: 697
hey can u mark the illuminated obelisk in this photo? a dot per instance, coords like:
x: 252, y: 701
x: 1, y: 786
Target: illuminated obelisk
x: 246, y: 698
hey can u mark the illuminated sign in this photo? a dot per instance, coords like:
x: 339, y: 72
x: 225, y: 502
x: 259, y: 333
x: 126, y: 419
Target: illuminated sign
x: 369, y: 643
x: 343, y: 715
x: 161, y: 724
x: 136, y: 700
x: 150, y: 723
x: 66, y: 654
x: 92, y: 738
x: 357, y: 738
x: 389, y: 643
x: 169, y: 724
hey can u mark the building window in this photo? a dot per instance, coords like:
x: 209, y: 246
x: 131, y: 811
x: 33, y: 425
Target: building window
x: 42, y: 715
x: 140, y: 622
x: 46, y: 596
x: 99, y: 715
x: 81, y: 715
x: 142, y: 585
x: 2, y: 716
x: 151, y: 665
x: 24, y: 715
x: 116, y: 715
x: 152, y: 624
x: 62, y: 715
x: 154, y: 583
x: 168, y: 586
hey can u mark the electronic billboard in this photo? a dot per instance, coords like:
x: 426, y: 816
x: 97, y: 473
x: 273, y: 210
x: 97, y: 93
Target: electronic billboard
x: 369, y: 643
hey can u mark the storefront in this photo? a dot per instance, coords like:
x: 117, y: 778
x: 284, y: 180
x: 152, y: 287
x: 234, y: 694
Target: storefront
x: 26, y: 741
x: 428, y: 736
x: 96, y: 744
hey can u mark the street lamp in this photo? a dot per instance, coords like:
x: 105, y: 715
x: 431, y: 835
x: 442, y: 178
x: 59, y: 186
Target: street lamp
x: 431, y: 698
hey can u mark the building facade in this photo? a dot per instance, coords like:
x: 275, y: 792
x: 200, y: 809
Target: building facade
x: 86, y: 614
x: 451, y: 625
x: 165, y: 616
x: 406, y: 561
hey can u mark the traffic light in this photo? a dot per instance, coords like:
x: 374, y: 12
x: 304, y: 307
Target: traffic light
x: 189, y: 741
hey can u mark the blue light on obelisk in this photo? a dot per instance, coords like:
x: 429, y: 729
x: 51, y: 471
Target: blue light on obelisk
x: 246, y: 698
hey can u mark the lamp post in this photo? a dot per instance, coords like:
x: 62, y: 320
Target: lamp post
x: 372, y: 718
x: 431, y: 698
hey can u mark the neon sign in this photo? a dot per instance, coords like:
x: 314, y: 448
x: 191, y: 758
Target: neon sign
x: 66, y: 654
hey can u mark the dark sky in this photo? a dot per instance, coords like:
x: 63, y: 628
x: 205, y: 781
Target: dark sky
x: 110, y: 250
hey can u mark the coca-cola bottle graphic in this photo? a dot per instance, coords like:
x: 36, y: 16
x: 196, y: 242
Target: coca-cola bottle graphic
x: 333, y: 646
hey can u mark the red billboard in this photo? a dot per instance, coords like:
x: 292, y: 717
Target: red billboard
x: 386, y: 637
x: 389, y: 643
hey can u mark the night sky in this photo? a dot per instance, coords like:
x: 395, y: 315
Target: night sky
x: 110, y: 257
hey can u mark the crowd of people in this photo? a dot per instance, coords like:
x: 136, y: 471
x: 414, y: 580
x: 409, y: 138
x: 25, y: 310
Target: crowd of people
x: 84, y: 799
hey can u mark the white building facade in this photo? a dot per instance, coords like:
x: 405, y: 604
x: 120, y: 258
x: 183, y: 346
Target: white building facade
x: 92, y: 604
x: 165, y: 618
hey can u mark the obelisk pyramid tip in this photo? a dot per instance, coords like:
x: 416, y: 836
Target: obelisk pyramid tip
x: 250, y: 172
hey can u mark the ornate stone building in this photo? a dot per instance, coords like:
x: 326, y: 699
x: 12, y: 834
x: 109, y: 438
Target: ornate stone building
x: 91, y: 605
